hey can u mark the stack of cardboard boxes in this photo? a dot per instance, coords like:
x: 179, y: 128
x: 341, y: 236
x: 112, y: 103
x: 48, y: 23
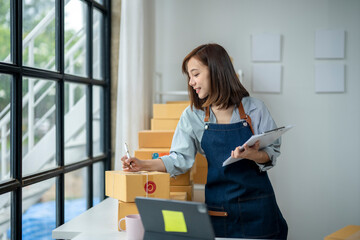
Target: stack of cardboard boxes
x: 163, y: 124
x: 156, y: 142
x: 126, y: 186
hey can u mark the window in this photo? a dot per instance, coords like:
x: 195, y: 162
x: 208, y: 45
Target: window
x: 5, y: 34
x: 54, y: 112
x: 5, y: 126
x: 39, y: 33
x: 75, y: 37
x: 75, y: 122
x: 38, y: 125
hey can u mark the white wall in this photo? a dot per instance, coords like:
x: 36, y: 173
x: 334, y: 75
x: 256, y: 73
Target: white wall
x: 317, y: 178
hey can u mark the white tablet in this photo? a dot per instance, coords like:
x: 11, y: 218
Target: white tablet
x: 265, y: 139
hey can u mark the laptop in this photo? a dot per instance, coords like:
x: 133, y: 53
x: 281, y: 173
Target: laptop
x: 174, y: 220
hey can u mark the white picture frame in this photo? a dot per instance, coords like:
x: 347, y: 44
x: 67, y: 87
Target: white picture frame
x: 266, y: 47
x: 266, y: 77
x: 329, y: 78
x: 330, y: 44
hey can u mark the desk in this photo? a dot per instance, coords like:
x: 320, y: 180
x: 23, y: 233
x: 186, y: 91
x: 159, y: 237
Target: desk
x: 99, y: 222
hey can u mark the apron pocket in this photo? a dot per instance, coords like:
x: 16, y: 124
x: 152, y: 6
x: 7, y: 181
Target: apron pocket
x: 218, y: 223
x: 259, y: 216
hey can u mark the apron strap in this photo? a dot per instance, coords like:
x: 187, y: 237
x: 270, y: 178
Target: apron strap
x: 241, y: 112
x: 245, y: 116
x: 207, y: 114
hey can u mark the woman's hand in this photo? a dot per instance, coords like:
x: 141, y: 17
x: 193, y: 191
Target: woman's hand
x: 251, y: 153
x: 134, y: 165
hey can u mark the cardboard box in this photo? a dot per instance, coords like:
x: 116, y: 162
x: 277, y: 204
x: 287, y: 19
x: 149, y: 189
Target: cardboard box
x: 163, y: 124
x: 350, y: 232
x: 125, y: 209
x: 151, y: 153
x: 180, y: 180
x: 200, y: 160
x: 155, y: 139
x: 177, y: 102
x: 180, y: 196
x: 154, y: 153
x: 125, y: 186
x: 169, y: 111
x: 199, y: 176
x: 188, y: 189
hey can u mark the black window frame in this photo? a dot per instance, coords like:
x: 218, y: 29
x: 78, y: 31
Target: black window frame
x: 17, y: 70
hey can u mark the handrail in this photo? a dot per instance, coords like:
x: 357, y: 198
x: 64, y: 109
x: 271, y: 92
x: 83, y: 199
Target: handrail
x: 41, y: 120
x: 37, y: 30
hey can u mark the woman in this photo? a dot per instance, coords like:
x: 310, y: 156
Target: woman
x: 220, y: 118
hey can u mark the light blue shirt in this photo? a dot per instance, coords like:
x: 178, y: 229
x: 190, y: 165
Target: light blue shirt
x: 190, y: 129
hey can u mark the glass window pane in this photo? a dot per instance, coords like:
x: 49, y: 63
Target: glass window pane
x: 5, y: 126
x: 98, y: 119
x: 5, y: 209
x: 98, y: 71
x: 38, y: 125
x: 75, y: 193
x: 39, y: 217
x: 5, y: 39
x: 98, y: 181
x: 75, y: 122
x: 39, y: 33
x: 75, y: 37
x: 100, y: 1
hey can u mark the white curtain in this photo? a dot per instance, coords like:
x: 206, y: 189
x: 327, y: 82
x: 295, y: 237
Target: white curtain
x: 132, y: 109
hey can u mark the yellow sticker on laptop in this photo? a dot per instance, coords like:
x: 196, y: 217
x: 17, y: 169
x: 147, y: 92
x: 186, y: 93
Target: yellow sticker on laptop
x: 174, y: 221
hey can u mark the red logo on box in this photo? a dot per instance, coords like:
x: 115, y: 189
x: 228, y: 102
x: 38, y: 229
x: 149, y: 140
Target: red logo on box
x: 150, y: 187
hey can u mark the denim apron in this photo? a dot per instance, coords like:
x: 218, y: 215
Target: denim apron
x: 240, y: 198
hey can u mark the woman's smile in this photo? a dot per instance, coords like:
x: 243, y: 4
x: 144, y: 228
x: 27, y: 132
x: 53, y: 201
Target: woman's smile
x: 199, y: 77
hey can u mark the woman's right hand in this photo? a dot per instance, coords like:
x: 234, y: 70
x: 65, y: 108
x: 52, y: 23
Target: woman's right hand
x: 132, y: 164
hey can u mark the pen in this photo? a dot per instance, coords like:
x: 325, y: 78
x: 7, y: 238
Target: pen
x: 127, y: 152
x: 274, y: 129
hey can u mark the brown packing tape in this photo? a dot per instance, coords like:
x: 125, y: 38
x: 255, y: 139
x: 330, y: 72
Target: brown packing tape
x: 147, y: 186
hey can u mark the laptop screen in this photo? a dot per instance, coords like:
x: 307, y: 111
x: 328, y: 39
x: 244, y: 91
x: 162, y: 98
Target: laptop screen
x: 171, y: 219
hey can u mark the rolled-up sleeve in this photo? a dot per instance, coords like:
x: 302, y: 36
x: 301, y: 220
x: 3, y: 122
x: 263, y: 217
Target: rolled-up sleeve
x: 183, y: 148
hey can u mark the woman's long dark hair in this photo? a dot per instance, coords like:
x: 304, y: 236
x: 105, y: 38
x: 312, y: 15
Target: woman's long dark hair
x: 225, y: 87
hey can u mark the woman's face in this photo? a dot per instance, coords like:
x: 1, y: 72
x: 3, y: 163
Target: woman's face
x: 199, y: 77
